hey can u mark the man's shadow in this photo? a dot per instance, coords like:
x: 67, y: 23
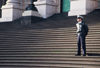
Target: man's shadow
x: 93, y: 54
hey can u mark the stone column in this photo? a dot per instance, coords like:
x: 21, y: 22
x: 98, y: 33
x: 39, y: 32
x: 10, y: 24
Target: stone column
x: 58, y: 2
x: 13, y: 2
x: 46, y: 7
x: 82, y: 7
x: 11, y: 11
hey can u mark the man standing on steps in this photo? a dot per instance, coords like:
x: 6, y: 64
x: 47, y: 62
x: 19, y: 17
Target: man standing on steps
x: 82, y: 31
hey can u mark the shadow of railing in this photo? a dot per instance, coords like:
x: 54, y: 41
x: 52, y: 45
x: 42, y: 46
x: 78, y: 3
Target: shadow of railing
x: 93, y: 54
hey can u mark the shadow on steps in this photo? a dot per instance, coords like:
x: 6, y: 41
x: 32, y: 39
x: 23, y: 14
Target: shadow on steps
x: 60, y: 20
x: 93, y: 54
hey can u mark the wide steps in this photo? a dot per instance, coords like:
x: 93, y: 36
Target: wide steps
x: 48, y: 48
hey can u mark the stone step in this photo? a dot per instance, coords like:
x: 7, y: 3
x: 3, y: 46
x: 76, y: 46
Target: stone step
x: 48, y: 50
x: 50, y: 62
x: 48, y: 66
x: 40, y: 64
x: 89, y: 55
x: 51, y: 46
x: 46, y: 44
x: 95, y: 59
x: 71, y: 41
x: 46, y: 53
x: 53, y: 32
x: 90, y: 27
x: 38, y: 67
x: 48, y: 37
x: 45, y: 35
x: 49, y: 40
x: 48, y: 33
x: 50, y: 30
x: 51, y: 49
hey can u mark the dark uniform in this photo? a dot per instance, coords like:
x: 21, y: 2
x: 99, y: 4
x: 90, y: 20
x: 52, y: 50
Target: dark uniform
x: 82, y: 31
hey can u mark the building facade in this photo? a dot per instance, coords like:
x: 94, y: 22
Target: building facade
x: 14, y: 9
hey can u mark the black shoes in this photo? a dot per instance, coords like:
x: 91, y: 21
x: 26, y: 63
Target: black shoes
x: 78, y: 55
x: 84, y: 55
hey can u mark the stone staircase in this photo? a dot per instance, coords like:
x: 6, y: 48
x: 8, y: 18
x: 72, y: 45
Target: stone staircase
x: 51, y: 43
x: 48, y: 48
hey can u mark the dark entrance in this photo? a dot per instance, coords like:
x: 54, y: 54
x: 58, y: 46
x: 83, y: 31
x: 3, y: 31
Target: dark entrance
x: 2, y: 2
x: 65, y: 5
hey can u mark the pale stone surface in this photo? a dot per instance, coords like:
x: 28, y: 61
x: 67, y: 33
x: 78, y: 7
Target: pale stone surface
x: 31, y: 13
x: 77, y: 7
x: 11, y: 11
x: 26, y: 3
x: 90, y: 3
x: 58, y: 3
x: 46, y: 7
x: 13, y: 2
x: 82, y: 7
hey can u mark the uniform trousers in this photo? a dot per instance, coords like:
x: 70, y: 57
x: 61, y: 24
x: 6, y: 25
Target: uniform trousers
x: 81, y: 42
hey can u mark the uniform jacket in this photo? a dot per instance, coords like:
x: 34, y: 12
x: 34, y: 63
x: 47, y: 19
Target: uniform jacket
x: 82, y: 28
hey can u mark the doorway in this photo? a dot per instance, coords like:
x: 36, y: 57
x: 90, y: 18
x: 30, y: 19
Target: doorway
x: 65, y: 5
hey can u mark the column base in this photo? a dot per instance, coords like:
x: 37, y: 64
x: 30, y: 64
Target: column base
x: 11, y: 13
x: 30, y: 17
x: 28, y: 20
x: 46, y: 8
x: 77, y: 12
x: 6, y: 19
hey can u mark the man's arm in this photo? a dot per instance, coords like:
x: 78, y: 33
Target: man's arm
x: 86, y: 28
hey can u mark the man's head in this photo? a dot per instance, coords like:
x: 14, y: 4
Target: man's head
x: 79, y: 18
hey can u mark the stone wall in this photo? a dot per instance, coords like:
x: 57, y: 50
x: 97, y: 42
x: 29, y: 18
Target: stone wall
x: 82, y: 7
